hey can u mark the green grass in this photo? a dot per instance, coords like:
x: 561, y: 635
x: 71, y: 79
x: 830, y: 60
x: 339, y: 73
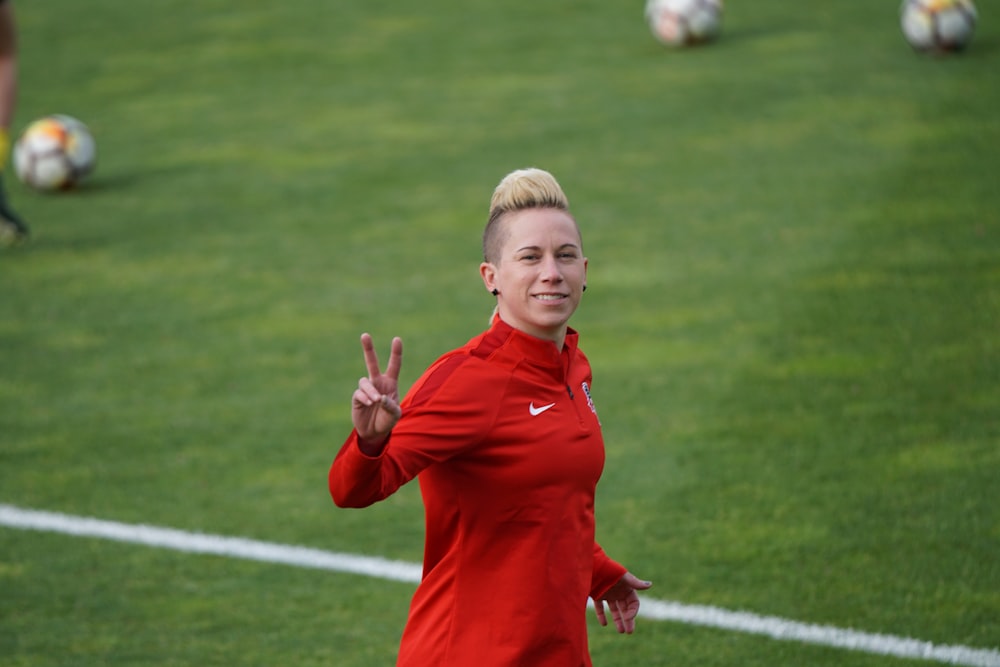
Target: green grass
x: 793, y: 312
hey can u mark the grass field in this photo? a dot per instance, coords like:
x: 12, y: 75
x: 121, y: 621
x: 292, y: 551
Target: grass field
x: 793, y: 313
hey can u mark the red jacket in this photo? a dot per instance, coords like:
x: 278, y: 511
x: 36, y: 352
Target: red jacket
x: 506, y: 441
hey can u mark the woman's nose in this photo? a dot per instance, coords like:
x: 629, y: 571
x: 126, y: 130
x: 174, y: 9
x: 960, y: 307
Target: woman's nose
x: 550, y: 269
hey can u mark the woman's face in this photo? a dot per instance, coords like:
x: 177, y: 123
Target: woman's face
x: 541, y: 272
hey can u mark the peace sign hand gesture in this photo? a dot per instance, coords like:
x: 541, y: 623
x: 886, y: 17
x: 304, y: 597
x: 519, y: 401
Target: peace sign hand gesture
x: 375, y: 404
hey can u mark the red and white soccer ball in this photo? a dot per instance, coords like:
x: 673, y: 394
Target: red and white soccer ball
x: 938, y: 26
x: 54, y: 153
x: 684, y: 22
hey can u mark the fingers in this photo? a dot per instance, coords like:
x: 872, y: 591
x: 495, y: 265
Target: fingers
x: 371, y: 357
x: 623, y: 602
x: 623, y: 615
x: 395, y: 358
x: 617, y: 616
x: 392, y: 407
x: 635, y: 582
x: 374, y: 415
x: 599, y: 609
x: 366, y: 394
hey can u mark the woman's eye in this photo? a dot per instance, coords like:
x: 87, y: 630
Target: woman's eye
x: 537, y: 257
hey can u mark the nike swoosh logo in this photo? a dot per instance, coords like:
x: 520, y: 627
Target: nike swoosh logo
x: 537, y: 411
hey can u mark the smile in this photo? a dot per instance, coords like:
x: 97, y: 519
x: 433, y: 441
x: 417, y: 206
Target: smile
x: 549, y: 297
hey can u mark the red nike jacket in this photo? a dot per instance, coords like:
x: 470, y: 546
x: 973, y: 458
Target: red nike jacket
x: 507, y: 445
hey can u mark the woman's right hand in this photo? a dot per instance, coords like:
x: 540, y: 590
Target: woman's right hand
x: 375, y: 404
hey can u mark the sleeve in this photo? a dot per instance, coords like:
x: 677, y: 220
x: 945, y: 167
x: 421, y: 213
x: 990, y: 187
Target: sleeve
x: 606, y: 573
x: 449, y: 409
x: 359, y: 480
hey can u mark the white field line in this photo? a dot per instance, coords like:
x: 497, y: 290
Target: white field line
x: 736, y: 621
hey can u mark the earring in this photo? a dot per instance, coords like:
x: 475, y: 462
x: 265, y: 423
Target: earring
x: 584, y: 288
x: 495, y: 291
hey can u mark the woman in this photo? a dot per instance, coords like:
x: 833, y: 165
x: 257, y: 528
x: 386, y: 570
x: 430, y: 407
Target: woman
x: 507, y: 444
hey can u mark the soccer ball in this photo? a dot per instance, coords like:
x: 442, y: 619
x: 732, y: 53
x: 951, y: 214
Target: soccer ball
x: 54, y: 153
x: 938, y: 26
x: 684, y: 22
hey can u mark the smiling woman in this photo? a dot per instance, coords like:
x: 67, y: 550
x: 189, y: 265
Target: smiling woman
x: 504, y: 436
x: 538, y: 273
x: 546, y: 252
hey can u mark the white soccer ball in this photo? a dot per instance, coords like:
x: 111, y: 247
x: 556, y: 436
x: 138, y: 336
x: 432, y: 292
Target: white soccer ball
x: 938, y: 26
x: 54, y: 153
x: 684, y: 22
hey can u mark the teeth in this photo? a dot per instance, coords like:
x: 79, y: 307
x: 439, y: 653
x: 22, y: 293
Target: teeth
x: 548, y: 297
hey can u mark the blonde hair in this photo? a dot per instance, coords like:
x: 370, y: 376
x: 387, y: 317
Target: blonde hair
x: 519, y: 190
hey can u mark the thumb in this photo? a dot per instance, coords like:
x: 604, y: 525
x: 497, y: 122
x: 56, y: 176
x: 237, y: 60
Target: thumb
x: 635, y: 582
x: 392, y: 407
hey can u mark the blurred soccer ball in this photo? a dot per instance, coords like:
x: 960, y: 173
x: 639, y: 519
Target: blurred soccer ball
x: 684, y: 22
x: 54, y: 153
x: 938, y: 26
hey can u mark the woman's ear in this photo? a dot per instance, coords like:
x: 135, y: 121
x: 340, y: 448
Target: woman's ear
x: 488, y: 273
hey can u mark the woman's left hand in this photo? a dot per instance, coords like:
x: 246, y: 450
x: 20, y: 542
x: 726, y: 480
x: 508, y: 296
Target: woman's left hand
x: 623, y: 601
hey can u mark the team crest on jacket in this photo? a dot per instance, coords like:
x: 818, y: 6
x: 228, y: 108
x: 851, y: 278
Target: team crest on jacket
x: 590, y: 401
